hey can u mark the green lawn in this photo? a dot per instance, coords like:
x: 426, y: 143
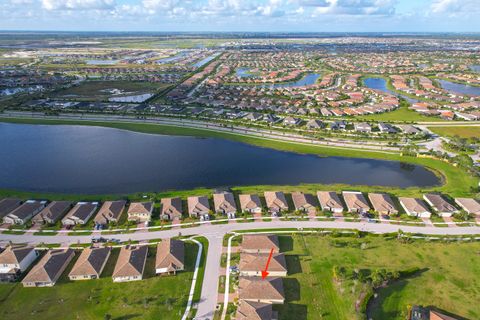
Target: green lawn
x: 93, y: 90
x: 146, y: 299
x: 402, y: 114
x: 462, y: 132
x: 449, y: 278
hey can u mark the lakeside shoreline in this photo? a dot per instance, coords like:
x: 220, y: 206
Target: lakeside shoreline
x: 453, y: 180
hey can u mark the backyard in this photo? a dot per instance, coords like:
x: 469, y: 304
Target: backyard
x: 99, y: 299
x: 447, y: 277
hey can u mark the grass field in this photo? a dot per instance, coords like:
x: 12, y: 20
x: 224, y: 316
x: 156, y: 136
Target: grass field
x: 462, y: 132
x: 93, y: 299
x: 456, y: 182
x: 93, y: 90
x: 402, y: 114
x: 448, y: 278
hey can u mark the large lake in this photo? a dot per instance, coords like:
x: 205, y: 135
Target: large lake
x: 92, y: 160
x: 459, y: 88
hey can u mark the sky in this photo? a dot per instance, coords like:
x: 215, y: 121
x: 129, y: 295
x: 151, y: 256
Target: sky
x: 242, y: 15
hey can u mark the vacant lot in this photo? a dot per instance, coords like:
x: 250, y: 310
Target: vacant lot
x: 462, y: 132
x: 100, y: 90
x: 94, y: 299
x: 449, y: 277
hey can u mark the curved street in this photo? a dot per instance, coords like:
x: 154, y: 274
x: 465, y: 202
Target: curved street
x: 215, y: 234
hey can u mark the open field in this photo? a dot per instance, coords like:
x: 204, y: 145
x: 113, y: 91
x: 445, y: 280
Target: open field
x: 448, y: 278
x: 462, y: 132
x: 94, y: 299
x: 402, y: 114
x: 96, y: 90
x: 456, y: 181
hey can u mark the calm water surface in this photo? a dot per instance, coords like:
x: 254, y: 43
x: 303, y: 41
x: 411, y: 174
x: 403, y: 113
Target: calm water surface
x: 381, y: 84
x: 460, y: 88
x: 81, y: 159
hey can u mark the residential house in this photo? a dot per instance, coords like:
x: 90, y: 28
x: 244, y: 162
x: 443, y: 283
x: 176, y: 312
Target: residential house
x: 80, y: 214
x: 256, y: 289
x: 304, y: 202
x: 140, y: 211
x: 386, y: 128
x: 469, y: 205
x: 250, y: 203
x: 52, y: 213
x: 415, y: 207
x: 252, y: 264
x: 170, y: 256
x: 24, y: 212
x: 313, y: 124
x: 110, y: 212
x: 260, y: 243
x: 14, y: 261
x: 362, y: 127
x: 440, y: 205
x: 382, y: 203
x: 130, y: 264
x: 276, y: 202
x: 49, y: 269
x: 90, y: 264
x: 198, y: 207
x: 409, y: 129
x: 224, y: 203
x: 338, y: 125
x: 171, y: 208
x: 329, y: 201
x: 355, y: 202
x: 291, y: 121
x: 250, y: 310
x: 8, y: 205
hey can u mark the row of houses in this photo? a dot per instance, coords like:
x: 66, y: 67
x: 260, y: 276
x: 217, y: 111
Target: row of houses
x: 130, y: 265
x: 14, y: 211
x: 257, y: 295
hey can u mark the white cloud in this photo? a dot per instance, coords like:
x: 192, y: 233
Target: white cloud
x: 455, y: 6
x: 78, y: 4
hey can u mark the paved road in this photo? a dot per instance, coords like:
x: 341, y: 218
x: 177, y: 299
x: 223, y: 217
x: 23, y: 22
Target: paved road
x: 215, y: 234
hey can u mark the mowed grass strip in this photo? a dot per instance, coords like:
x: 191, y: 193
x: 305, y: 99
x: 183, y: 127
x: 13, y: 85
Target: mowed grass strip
x: 449, y: 278
x: 152, y: 298
x: 461, y: 131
